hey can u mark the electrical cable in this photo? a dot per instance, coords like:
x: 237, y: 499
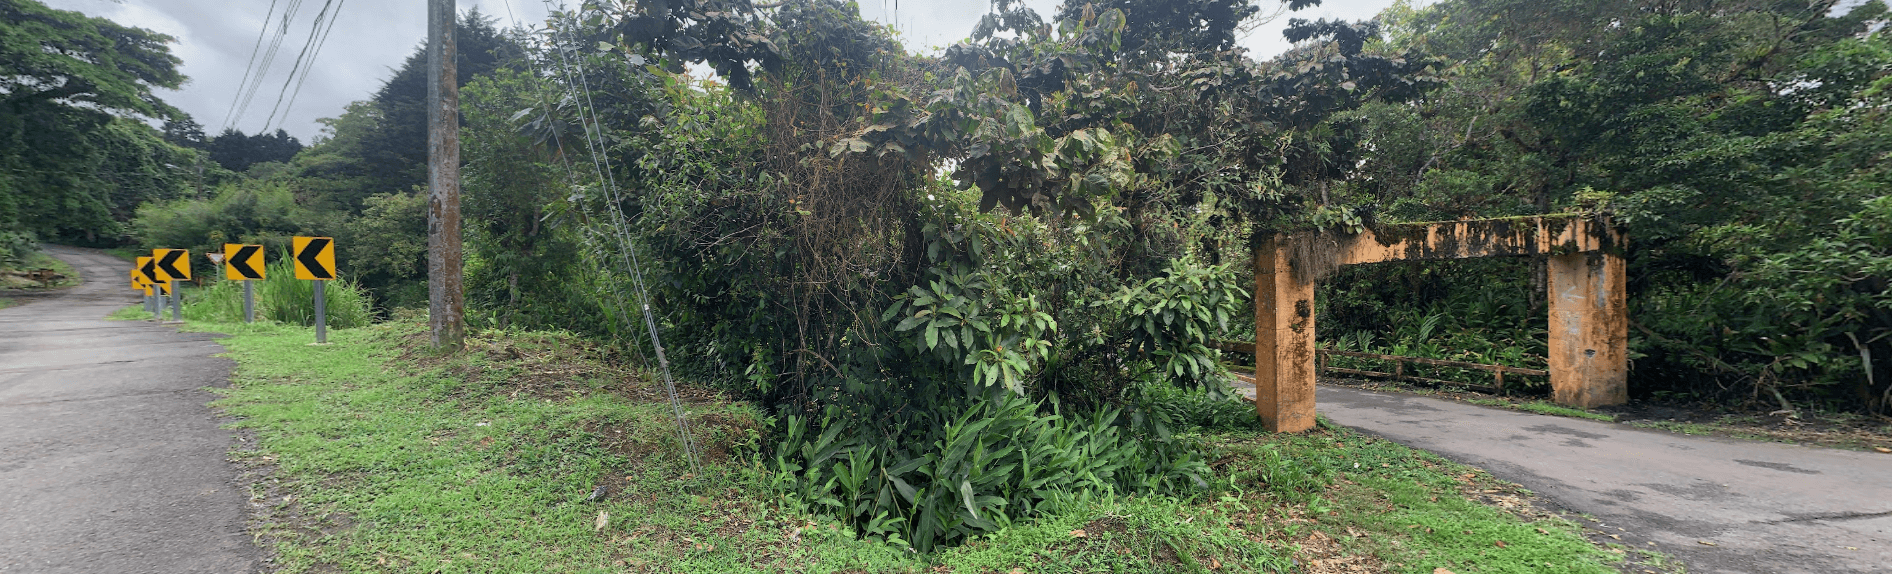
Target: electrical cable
x: 305, y: 60
x: 246, y: 94
x: 627, y: 252
x: 251, y: 65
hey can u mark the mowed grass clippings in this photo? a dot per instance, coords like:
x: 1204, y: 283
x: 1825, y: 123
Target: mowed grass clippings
x: 372, y: 454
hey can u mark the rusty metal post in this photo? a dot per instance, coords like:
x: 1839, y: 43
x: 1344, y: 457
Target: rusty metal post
x: 1284, y: 341
x: 1589, y: 330
x: 446, y: 300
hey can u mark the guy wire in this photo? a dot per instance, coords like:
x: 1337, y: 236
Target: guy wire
x: 627, y: 250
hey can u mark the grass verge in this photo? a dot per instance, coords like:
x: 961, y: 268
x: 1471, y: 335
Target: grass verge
x: 12, y: 279
x: 538, y: 452
x: 130, y: 313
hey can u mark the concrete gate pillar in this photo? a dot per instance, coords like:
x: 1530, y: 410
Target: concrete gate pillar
x: 1284, y: 341
x: 1589, y: 330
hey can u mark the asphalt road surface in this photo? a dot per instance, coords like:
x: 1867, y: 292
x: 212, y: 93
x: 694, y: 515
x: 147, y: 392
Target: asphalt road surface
x: 109, y: 459
x: 1718, y: 505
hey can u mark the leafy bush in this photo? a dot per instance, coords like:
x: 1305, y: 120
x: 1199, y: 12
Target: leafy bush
x: 998, y: 461
x: 1173, y: 318
x: 384, y: 248
x: 16, y: 248
x: 249, y: 211
x: 802, y: 247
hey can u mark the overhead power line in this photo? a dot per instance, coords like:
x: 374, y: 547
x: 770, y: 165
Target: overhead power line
x: 305, y: 60
x: 258, y: 72
x: 251, y: 65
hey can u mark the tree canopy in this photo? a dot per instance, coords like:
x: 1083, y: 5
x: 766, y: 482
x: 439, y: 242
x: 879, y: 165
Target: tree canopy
x: 76, y: 158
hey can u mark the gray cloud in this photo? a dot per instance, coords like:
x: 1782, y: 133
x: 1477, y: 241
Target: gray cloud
x: 371, y: 38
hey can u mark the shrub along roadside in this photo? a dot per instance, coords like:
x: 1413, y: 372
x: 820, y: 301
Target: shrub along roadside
x: 384, y: 457
x: 281, y: 298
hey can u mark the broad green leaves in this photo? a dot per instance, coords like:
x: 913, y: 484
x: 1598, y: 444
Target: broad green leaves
x: 961, y: 320
x: 1174, y: 318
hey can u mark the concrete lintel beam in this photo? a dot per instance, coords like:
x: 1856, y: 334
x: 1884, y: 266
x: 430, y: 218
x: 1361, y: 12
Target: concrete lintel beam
x: 1545, y: 235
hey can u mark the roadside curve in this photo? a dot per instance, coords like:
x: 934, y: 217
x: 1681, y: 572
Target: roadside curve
x: 109, y: 459
x: 1718, y: 505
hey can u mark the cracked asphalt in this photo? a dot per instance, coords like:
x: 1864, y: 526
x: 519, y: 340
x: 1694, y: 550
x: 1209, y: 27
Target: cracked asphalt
x: 110, y: 460
x: 1718, y: 505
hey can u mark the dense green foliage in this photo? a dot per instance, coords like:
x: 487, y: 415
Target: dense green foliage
x: 981, y: 284
x: 967, y: 366
x: 1742, y: 144
x: 76, y: 158
x: 16, y: 249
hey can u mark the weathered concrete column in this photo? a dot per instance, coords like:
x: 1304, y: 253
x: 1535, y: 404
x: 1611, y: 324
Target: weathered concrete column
x: 1284, y: 341
x: 1589, y: 330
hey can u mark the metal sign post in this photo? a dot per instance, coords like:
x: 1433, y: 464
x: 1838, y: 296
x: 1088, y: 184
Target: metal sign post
x: 315, y: 261
x: 249, y: 302
x: 321, y: 314
x: 177, y: 303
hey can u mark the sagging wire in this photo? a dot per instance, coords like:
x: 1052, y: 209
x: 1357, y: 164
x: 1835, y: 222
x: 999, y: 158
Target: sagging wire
x: 627, y: 252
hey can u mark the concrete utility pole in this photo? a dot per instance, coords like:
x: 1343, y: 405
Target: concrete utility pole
x: 446, y: 300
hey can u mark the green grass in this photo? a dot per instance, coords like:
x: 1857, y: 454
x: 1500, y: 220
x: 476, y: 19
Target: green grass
x: 130, y: 313
x: 1407, y: 507
x: 382, y: 457
x: 5, y: 302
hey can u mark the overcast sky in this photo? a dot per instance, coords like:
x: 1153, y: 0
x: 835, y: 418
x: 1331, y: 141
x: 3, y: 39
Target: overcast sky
x: 215, y: 39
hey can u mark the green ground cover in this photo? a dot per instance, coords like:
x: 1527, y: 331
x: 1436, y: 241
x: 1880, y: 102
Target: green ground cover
x: 370, y: 454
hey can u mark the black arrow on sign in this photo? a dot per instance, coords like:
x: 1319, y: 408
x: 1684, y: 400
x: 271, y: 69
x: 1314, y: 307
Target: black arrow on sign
x: 307, y: 258
x: 168, y: 263
x: 241, y: 261
x: 149, y: 270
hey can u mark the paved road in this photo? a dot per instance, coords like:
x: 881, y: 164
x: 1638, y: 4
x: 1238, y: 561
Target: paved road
x: 109, y: 459
x: 1766, y: 507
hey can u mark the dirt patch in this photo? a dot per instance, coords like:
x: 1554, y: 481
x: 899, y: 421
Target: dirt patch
x: 1325, y: 555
